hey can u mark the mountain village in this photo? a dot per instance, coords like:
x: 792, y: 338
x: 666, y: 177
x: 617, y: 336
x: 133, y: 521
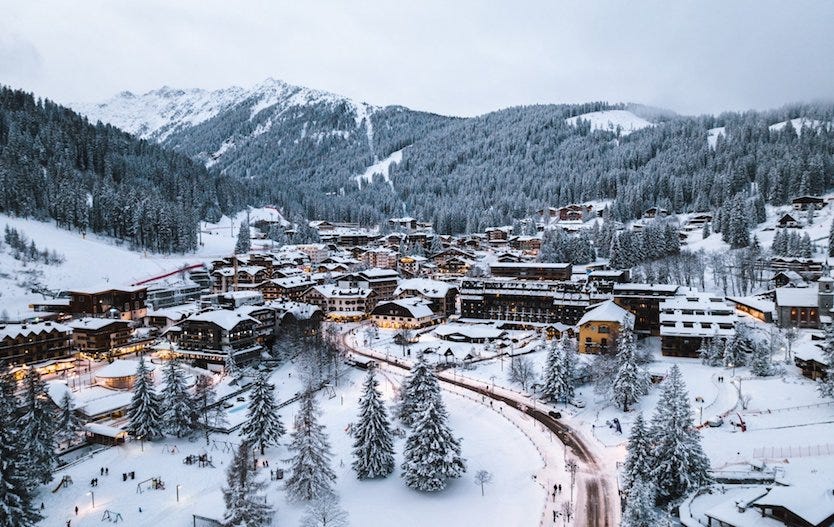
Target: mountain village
x: 561, y: 362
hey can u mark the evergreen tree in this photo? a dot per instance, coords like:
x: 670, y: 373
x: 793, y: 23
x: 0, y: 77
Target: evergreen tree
x: 712, y: 351
x: 706, y: 233
x: 263, y: 424
x: 373, y: 447
x: 432, y: 454
x: 638, y: 462
x: 230, y: 366
x: 16, y: 485
x: 244, y: 243
x: 630, y: 382
x: 831, y: 239
x: 37, y: 426
x: 418, y: 388
x: 639, y: 506
x: 179, y: 410
x: 739, y: 348
x: 680, y: 464
x: 145, y: 412
x: 243, y: 494
x: 310, y: 474
x: 69, y: 425
x: 826, y: 385
x: 806, y: 249
x: 553, y: 375
x: 760, y: 362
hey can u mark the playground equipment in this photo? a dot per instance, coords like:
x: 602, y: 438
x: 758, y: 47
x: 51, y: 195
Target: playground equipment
x: 112, y: 516
x: 66, y: 481
x: 151, y: 484
x: 202, y: 460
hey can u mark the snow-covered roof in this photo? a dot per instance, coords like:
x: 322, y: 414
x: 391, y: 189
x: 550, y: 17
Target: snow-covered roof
x: 424, y: 286
x: 174, y: 312
x: 225, y: 318
x: 292, y: 281
x: 417, y: 307
x: 104, y: 430
x: 469, y: 331
x: 607, y: 311
x: 646, y: 288
x: 797, y: 296
x: 121, y: 368
x: 16, y: 330
x: 811, y: 502
x: 334, y: 291
x: 530, y: 265
x: 95, y: 323
x: 379, y: 273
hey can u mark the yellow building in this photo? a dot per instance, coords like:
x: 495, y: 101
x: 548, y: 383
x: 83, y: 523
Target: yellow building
x: 600, y: 326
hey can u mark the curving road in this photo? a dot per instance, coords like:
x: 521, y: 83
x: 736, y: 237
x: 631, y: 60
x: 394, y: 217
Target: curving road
x: 599, y: 504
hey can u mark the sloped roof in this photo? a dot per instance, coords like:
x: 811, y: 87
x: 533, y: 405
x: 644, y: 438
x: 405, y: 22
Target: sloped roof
x: 607, y: 311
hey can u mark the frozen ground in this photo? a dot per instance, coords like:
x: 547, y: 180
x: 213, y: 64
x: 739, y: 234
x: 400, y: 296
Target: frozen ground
x: 489, y: 443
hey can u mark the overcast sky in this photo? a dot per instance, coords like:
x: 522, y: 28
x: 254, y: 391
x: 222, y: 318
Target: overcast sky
x: 448, y: 56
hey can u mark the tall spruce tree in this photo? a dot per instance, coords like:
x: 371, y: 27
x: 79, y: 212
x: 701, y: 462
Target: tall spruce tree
x: 680, y: 464
x: 37, y: 426
x: 243, y: 494
x: 432, y: 453
x: 631, y: 382
x: 69, y: 425
x: 416, y: 390
x: 552, y: 376
x: 145, y: 412
x: 244, y: 243
x: 639, y: 506
x: 263, y: 424
x: 569, y: 364
x: 826, y: 384
x: 179, y: 409
x: 310, y: 474
x: 16, y: 484
x: 373, y: 446
x: 638, y: 462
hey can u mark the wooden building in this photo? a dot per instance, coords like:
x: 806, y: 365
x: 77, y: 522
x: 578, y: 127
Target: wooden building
x: 643, y: 301
x: 97, y: 336
x: 126, y: 302
x: 685, y: 321
x: 32, y: 343
x: 212, y: 335
x: 442, y: 296
x: 404, y: 313
x: 532, y: 270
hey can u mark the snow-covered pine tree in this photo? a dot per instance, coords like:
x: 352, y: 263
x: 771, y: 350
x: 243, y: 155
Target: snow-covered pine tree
x: 552, y: 375
x: 373, y: 447
x: 826, y: 385
x: 179, y: 410
x: 16, y: 483
x: 680, y: 464
x: 736, y: 350
x: 569, y: 364
x: 631, y: 382
x: 37, y: 427
x: 831, y: 239
x: 243, y: 494
x: 244, y: 243
x: 712, y: 351
x: 420, y: 386
x: 325, y: 512
x: 760, y: 362
x: 638, y: 462
x: 639, y: 506
x: 706, y: 232
x: 806, y: 248
x: 69, y: 425
x: 432, y: 453
x: 145, y: 412
x: 230, y: 366
x: 310, y: 474
x: 263, y: 425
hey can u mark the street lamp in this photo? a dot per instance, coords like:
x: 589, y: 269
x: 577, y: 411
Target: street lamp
x: 93, y: 498
x: 178, y: 493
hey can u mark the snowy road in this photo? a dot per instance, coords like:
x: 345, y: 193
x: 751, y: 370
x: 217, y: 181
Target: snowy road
x: 597, y: 499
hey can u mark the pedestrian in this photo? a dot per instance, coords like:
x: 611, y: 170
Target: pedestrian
x: 124, y: 476
x: 69, y: 523
x: 560, y: 488
x: 140, y: 510
x: 132, y: 475
x: 101, y: 471
x: 76, y: 510
x: 554, y: 515
x: 106, y: 471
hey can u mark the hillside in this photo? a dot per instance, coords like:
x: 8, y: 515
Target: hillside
x: 314, y: 154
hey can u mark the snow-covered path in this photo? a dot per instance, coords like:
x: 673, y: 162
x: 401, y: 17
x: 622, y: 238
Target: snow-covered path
x: 597, y: 499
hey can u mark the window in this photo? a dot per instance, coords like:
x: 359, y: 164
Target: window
x: 603, y: 342
x: 603, y: 329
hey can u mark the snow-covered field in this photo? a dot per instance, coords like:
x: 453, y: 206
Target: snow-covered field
x: 489, y: 443
x: 610, y: 120
x: 93, y: 261
x: 381, y: 168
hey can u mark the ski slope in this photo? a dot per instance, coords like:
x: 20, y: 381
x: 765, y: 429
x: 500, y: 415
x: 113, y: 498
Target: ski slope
x: 610, y: 120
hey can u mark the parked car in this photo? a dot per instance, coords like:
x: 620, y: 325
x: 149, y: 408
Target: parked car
x: 554, y: 414
x: 579, y: 403
x: 715, y: 422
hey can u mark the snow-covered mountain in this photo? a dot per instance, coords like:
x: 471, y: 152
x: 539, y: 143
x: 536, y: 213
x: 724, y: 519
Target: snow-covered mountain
x: 158, y: 114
